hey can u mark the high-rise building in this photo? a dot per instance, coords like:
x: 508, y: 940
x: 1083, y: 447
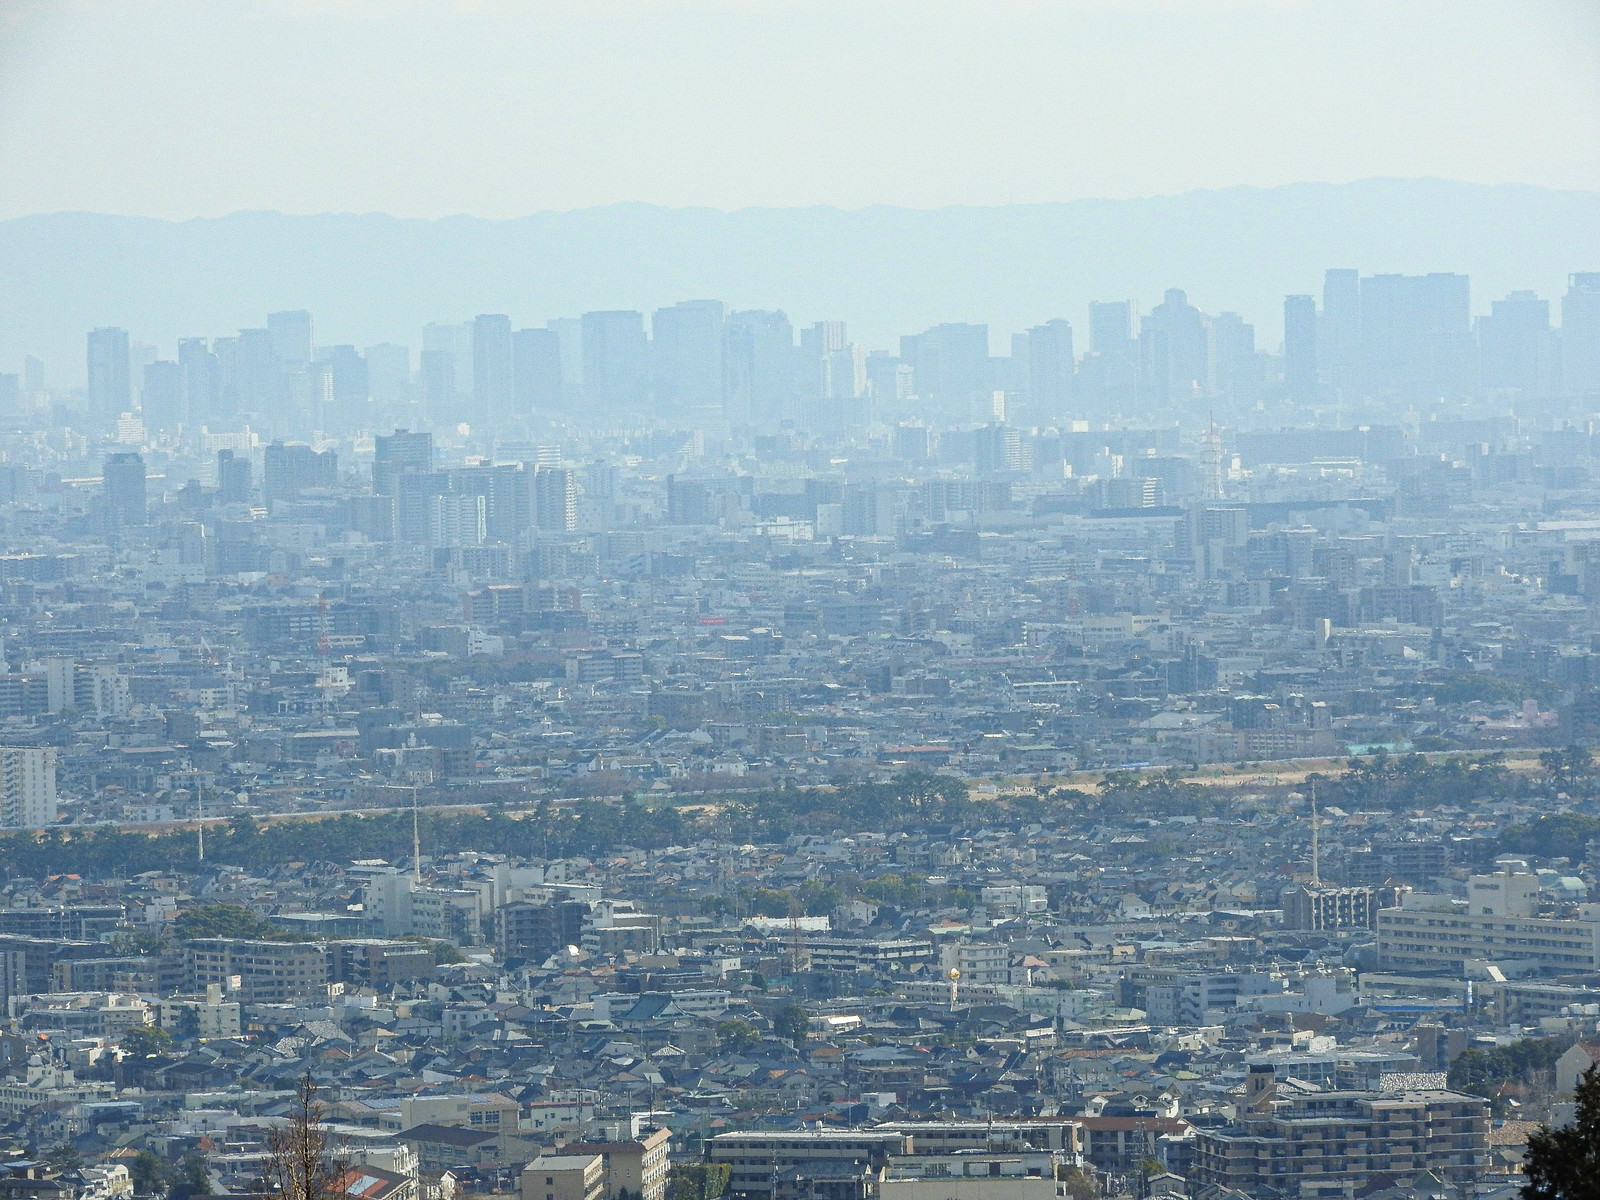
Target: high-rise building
x: 288, y: 470
x: 10, y: 394
x: 161, y: 400
x: 615, y: 360
x: 32, y: 375
x: 290, y: 335
x: 110, y: 388
x: 686, y: 356
x: 234, y: 480
x: 1051, y: 368
x: 1416, y: 336
x: 950, y: 369
x: 458, y: 520
x: 569, y: 330
x: 1108, y: 374
x: 27, y: 787
x: 758, y: 368
x: 1339, y: 332
x: 1300, y: 349
x: 555, y: 499
x: 491, y: 369
x: 399, y: 453
x: 124, y: 483
x: 1517, y: 349
x: 536, y: 370
x: 1580, y: 335
x: 388, y: 373
x: 202, y: 379
x: 1111, y: 328
x: 255, y: 382
x: 438, y: 373
x: 1174, y: 358
x: 1237, y: 369
x: 816, y: 343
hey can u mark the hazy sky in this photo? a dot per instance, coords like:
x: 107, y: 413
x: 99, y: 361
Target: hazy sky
x: 428, y: 108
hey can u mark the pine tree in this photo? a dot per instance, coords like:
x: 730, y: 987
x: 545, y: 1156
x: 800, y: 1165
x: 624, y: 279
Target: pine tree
x: 1564, y: 1164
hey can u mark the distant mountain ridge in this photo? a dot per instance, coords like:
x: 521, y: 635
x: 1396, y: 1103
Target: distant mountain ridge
x: 370, y: 277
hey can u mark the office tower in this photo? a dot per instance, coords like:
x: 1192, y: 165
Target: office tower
x: 438, y: 372
x: 889, y: 385
x: 388, y: 373
x: 124, y: 483
x: 1416, y: 336
x: 234, y: 480
x: 348, y: 372
x: 110, y: 389
x: 1050, y: 370
x: 288, y: 470
x: 998, y: 449
x: 32, y: 375
x: 202, y: 379
x: 256, y: 380
x: 399, y: 453
x: 1339, y: 332
x: 555, y: 499
x: 950, y: 370
x: 414, y: 492
x: 491, y: 369
x: 1237, y: 370
x: 27, y: 787
x: 844, y: 378
x: 758, y: 368
x: 615, y: 360
x: 161, y: 400
x: 1300, y: 349
x: 1580, y: 335
x: 1111, y: 328
x: 686, y: 356
x: 1174, y: 359
x: 570, y: 332
x: 290, y: 335
x: 816, y: 343
x: 1517, y: 349
x: 1108, y: 374
x: 536, y: 371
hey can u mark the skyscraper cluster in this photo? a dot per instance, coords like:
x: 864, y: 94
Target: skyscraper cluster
x: 1373, y: 341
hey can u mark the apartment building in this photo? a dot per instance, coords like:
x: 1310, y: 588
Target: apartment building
x: 1500, y: 922
x: 1317, y: 1143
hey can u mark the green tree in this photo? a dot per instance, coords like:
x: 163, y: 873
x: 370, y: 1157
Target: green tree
x: 698, y: 1181
x: 194, y: 1178
x: 792, y: 1024
x: 223, y: 920
x: 1564, y: 1164
x: 1077, y: 1183
x: 64, y: 1157
x: 150, y: 1172
x: 736, y: 1036
x: 146, y: 1041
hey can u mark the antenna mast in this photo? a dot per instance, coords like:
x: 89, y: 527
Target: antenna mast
x: 416, y: 840
x: 1316, y: 856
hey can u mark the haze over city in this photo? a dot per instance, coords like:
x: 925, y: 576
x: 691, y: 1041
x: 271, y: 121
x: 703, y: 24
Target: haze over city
x: 714, y: 600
